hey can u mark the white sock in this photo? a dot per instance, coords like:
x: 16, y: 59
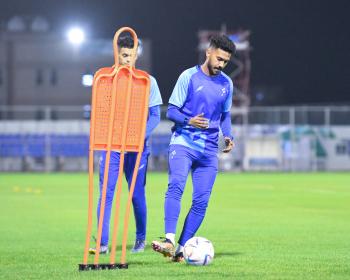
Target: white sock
x: 179, y: 249
x: 171, y: 237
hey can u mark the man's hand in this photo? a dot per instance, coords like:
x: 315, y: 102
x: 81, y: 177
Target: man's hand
x: 199, y: 121
x: 229, y: 145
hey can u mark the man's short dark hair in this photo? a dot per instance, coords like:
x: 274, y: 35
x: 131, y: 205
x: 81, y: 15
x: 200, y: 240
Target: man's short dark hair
x: 222, y: 42
x: 125, y: 42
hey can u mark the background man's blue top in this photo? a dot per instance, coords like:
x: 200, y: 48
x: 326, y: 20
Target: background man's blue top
x: 196, y: 93
x: 154, y: 97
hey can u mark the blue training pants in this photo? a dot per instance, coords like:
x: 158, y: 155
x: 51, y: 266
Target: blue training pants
x: 139, y: 197
x: 204, y: 169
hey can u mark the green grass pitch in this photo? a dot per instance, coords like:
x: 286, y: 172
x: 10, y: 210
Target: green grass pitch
x: 263, y: 226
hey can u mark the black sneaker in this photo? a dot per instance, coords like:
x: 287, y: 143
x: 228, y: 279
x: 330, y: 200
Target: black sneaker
x: 179, y: 257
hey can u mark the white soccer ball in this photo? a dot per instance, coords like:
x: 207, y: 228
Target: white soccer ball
x: 198, y: 251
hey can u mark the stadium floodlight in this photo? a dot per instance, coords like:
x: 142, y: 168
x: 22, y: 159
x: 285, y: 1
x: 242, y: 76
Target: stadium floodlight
x: 87, y: 80
x: 76, y: 35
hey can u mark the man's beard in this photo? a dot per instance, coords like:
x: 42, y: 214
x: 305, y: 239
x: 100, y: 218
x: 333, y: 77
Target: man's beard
x: 214, y: 70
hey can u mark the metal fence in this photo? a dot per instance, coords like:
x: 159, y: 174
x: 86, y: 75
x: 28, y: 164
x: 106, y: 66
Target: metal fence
x: 303, y: 138
x: 298, y: 115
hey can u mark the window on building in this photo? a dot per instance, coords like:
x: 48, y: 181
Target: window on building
x: 39, y: 77
x: 1, y: 78
x: 53, y: 77
x: 341, y: 149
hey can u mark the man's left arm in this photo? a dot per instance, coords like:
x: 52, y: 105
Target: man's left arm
x: 153, y: 119
x: 155, y: 100
x: 225, y: 124
x: 225, y: 121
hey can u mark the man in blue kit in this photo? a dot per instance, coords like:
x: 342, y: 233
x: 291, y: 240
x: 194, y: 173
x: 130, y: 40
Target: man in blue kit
x: 126, y: 57
x: 199, y: 106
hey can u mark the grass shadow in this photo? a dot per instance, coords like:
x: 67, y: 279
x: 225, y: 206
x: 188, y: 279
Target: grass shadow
x: 227, y: 254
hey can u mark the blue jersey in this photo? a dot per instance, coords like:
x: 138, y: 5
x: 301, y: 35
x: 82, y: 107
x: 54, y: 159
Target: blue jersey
x: 154, y: 97
x: 196, y: 93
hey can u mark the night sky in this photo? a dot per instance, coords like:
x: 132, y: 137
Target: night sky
x: 300, y: 47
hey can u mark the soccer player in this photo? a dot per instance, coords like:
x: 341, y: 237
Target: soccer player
x: 126, y: 57
x: 199, y: 105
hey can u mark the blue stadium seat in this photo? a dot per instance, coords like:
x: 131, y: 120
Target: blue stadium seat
x: 159, y: 144
x: 34, y: 145
x: 69, y: 145
x: 11, y: 145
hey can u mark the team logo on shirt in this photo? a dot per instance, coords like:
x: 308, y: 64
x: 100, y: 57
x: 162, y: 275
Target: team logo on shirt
x: 199, y: 88
x: 223, y: 91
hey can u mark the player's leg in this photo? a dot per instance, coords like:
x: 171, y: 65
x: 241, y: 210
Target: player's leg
x: 112, y: 179
x: 139, y: 196
x: 203, y: 178
x: 180, y: 162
